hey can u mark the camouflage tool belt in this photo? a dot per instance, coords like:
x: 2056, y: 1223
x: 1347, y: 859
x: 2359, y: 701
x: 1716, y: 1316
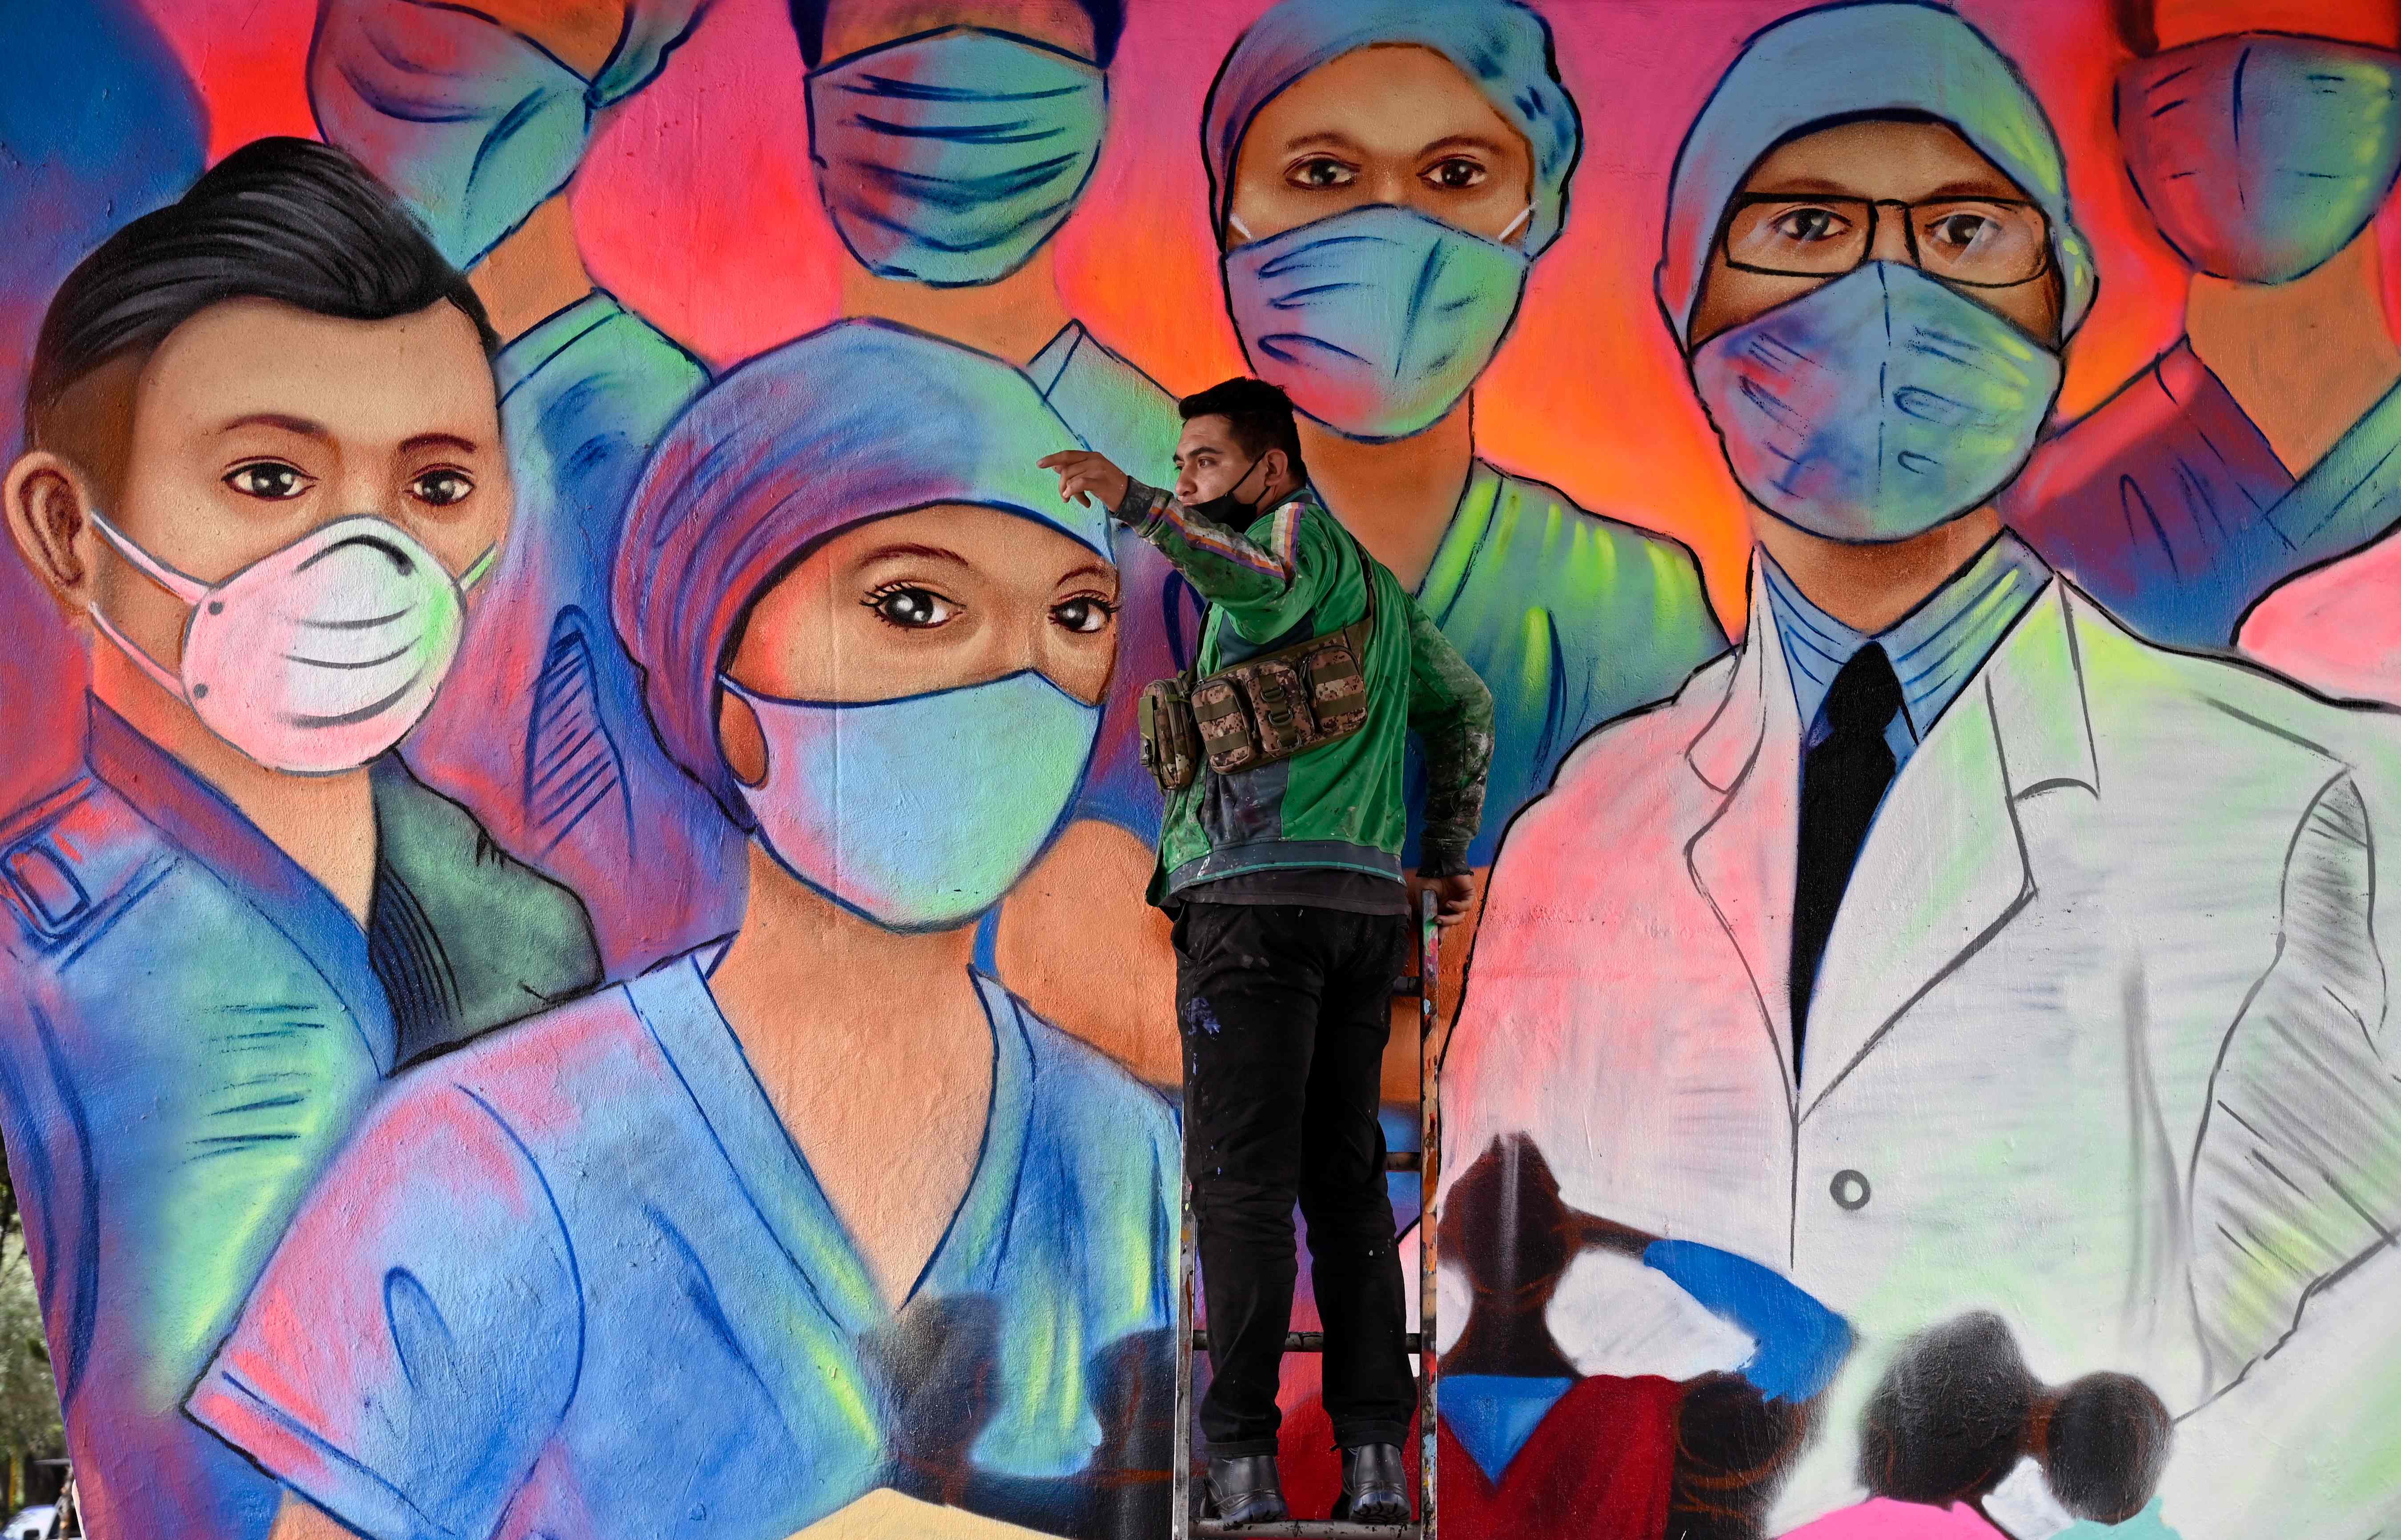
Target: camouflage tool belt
x: 1259, y: 711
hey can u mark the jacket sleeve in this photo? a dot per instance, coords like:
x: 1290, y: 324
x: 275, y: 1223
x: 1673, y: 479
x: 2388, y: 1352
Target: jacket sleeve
x: 1263, y: 586
x: 1451, y: 712
x: 2296, y: 1201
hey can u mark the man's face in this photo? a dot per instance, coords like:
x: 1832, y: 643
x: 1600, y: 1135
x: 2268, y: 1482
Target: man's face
x: 1210, y: 464
x: 255, y: 423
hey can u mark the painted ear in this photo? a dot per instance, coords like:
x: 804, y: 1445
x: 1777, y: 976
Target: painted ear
x: 738, y: 735
x: 48, y: 506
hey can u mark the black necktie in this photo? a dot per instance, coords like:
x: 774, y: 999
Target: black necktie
x: 1843, y: 777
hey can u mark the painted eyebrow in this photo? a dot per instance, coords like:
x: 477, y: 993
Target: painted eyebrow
x: 1323, y: 139
x: 1465, y: 142
x: 1090, y: 569
x: 432, y: 441
x: 287, y: 423
x: 930, y: 553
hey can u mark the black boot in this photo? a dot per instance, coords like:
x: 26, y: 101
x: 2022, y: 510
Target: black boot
x: 1244, y: 1490
x: 1374, y: 1489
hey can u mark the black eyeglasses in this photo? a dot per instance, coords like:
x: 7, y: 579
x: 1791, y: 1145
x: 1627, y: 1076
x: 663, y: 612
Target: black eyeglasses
x: 1982, y: 243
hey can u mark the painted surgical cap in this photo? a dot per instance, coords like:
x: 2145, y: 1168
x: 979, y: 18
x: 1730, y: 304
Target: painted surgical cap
x: 1500, y: 44
x: 1848, y: 61
x: 861, y: 420
x: 472, y: 123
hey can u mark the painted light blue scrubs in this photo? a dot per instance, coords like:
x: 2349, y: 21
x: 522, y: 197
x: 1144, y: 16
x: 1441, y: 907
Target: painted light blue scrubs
x: 540, y: 727
x: 2168, y: 505
x: 577, y: 1280
x: 189, y: 1025
x: 1570, y: 618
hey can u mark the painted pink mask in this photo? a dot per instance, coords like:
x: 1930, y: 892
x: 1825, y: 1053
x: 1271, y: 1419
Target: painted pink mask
x: 319, y: 657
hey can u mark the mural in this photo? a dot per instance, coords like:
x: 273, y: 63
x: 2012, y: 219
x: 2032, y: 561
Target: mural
x: 576, y: 957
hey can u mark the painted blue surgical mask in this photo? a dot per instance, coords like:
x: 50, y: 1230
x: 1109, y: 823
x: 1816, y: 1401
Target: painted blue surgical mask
x: 950, y: 157
x: 2261, y: 155
x: 1877, y: 407
x: 919, y: 813
x: 472, y: 125
x: 1375, y: 320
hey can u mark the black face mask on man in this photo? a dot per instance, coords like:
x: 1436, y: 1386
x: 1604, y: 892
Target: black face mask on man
x: 1229, y: 510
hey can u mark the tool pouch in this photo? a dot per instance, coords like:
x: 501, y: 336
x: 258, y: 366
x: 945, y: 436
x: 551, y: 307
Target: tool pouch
x: 1272, y: 706
x: 1170, y: 739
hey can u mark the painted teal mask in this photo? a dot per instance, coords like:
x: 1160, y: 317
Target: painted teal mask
x: 2261, y: 155
x: 950, y: 157
x: 1375, y: 320
x: 919, y: 813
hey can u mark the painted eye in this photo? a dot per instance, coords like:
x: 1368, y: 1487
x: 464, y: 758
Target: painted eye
x: 441, y: 489
x: 1322, y: 170
x: 1808, y: 226
x: 912, y: 607
x: 1455, y: 173
x: 269, y: 480
x: 1084, y: 614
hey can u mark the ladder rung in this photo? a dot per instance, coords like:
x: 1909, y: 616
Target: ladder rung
x: 1302, y: 1342
x: 1400, y: 1159
x: 1307, y: 1529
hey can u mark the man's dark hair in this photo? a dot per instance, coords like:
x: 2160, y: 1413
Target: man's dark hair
x: 1108, y: 25
x: 1258, y: 414
x: 288, y: 220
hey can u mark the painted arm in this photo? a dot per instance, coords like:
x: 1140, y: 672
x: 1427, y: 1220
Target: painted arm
x: 1451, y: 712
x: 2296, y: 1201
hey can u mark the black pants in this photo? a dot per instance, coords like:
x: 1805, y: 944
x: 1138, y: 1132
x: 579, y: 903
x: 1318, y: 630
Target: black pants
x: 1285, y: 1009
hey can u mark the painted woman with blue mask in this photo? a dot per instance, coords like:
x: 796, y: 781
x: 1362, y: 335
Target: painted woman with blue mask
x: 951, y: 140
x: 478, y: 116
x: 820, y: 1208
x: 2263, y: 137
x: 1383, y: 174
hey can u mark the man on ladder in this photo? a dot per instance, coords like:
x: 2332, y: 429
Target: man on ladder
x: 1279, y: 858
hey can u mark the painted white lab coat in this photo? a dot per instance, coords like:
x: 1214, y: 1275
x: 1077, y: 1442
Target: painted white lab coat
x: 2100, y: 1041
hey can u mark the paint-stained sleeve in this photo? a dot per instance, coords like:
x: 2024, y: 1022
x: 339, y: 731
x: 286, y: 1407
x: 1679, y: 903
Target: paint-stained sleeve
x: 414, y: 1343
x: 1451, y: 712
x: 2296, y: 1203
x: 1264, y: 579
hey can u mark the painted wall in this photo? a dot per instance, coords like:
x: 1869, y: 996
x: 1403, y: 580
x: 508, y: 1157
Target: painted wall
x: 477, y: 1186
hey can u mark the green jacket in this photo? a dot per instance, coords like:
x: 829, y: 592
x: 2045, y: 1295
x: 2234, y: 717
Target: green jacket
x: 1294, y: 574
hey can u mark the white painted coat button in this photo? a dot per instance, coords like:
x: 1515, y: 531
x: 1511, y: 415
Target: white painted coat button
x: 1850, y: 1190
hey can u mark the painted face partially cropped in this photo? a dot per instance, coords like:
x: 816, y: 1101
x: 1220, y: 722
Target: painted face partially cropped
x: 910, y: 710
x: 1353, y: 186
x: 1875, y: 338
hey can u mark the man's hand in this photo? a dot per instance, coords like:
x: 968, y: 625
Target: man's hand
x: 1452, y: 896
x: 1084, y: 476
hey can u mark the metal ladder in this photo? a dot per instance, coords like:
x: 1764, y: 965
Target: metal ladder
x: 1425, y: 984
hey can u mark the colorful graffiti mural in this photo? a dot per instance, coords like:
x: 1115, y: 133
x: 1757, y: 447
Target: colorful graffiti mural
x: 576, y: 957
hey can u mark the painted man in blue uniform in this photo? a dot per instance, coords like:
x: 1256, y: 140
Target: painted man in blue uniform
x: 263, y: 471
